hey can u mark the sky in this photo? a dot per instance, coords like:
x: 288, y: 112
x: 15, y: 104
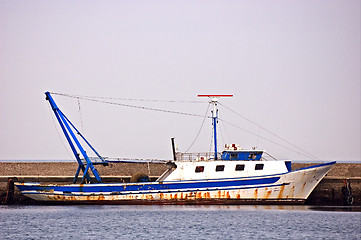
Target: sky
x: 292, y: 66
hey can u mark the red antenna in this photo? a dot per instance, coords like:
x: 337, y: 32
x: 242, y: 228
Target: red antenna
x: 215, y: 95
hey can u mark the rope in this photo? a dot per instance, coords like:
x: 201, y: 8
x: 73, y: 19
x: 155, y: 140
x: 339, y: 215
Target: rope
x: 128, y: 105
x: 221, y: 132
x: 304, y: 153
x: 205, y: 116
x: 57, y: 131
x: 81, y: 118
x: 211, y: 144
x: 111, y: 159
x: 125, y: 99
x: 98, y: 99
x: 263, y: 138
x: 226, y: 133
x: 270, y: 155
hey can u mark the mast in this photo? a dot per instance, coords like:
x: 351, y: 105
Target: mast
x: 214, y: 100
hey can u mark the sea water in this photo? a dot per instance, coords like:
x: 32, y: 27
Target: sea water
x: 177, y: 222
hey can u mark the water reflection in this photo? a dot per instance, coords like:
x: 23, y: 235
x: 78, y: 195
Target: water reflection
x: 336, y: 208
x: 179, y: 222
x: 245, y: 208
x: 224, y: 208
x: 146, y: 208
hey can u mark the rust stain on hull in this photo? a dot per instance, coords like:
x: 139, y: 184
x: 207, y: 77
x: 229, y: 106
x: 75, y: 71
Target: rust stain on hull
x: 227, y: 195
x: 281, y: 192
x: 268, y: 194
x: 218, y: 194
x: 198, y: 195
x: 97, y: 200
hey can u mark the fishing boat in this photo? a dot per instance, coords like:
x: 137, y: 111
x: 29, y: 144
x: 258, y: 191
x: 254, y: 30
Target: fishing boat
x: 233, y: 176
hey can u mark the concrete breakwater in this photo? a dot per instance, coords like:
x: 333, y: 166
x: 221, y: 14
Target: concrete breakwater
x: 328, y: 192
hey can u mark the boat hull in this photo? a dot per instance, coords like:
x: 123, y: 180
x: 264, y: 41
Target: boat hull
x: 288, y: 188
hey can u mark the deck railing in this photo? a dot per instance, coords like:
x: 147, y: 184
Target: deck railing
x: 210, y: 157
x: 196, y: 156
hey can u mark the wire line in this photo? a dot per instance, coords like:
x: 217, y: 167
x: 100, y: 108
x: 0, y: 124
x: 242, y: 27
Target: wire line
x: 125, y: 99
x: 128, y: 105
x: 275, y: 135
x: 205, y: 116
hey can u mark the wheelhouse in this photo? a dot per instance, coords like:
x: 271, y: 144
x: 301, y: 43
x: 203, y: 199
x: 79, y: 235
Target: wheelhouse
x: 249, y: 155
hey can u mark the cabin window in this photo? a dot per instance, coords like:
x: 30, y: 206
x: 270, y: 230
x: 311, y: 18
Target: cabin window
x: 239, y: 167
x: 259, y: 167
x: 199, y: 169
x: 252, y: 156
x: 219, y: 168
x: 234, y: 156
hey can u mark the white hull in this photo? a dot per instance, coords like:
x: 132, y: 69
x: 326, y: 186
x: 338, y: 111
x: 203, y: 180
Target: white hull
x: 291, y: 187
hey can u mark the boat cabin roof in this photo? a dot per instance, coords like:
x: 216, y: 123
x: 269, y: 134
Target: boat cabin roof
x: 242, y: 155
x: 228, y: 155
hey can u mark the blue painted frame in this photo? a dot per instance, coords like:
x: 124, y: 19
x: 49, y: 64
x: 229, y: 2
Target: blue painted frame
x: 67, y: 126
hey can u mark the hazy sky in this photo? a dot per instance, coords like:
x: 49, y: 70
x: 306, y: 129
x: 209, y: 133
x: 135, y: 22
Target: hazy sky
x: 293, y: 67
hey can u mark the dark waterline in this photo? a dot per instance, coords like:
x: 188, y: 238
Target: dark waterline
x: 177, y: 222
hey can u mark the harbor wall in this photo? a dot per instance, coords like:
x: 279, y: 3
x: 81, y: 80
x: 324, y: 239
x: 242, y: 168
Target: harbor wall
x: 328, y: 192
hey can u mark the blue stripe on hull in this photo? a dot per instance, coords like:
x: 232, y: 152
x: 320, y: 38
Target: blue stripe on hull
x: 65, y: 193
x: 151, y: 187
x: 315, y: 166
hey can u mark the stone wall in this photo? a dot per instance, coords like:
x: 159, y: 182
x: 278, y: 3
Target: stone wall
x: 328, y: 192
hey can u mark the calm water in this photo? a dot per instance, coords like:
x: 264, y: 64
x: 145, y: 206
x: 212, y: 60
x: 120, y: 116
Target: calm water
x: 177, y: 222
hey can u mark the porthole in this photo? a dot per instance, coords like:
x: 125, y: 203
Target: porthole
x: 199, y: 169
x: 240, y: 167
x: 219, y: 168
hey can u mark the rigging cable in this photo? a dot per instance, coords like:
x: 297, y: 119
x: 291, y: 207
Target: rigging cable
x: 128, y: 105
x: 97, y: 99
x: 264, y: 138
x: 205, y: 116
x: 275, y: 135
x: 125, y: 99
x: 211, y: 144
x: 225, y: 131
x: 221, y: 132
x: 81, y: 118
x: 56, y: 128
